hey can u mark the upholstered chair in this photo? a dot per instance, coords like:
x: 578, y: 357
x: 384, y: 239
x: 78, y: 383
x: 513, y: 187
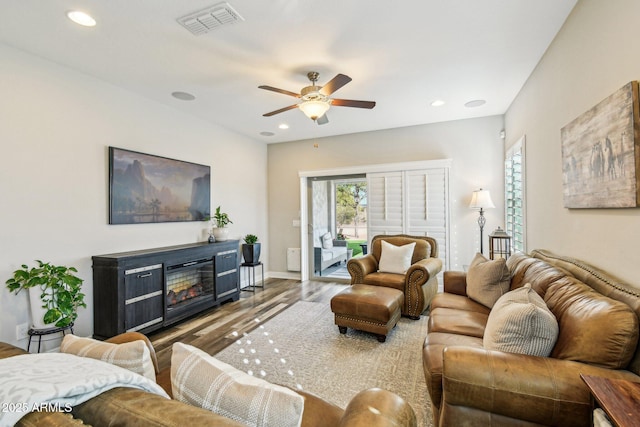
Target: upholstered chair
x: 419, y: 284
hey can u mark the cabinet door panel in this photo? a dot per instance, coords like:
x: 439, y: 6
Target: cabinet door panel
x: 143, y: 313
x: 142, y: 281
x: 226, y: 269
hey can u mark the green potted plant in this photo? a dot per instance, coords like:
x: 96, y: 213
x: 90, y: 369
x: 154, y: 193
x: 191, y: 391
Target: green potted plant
x: 251, y: 249
x: 54, y: 293
x: 220, y: 232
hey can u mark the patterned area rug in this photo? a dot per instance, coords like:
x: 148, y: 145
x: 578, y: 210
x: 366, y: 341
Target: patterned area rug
x: 302, y: 348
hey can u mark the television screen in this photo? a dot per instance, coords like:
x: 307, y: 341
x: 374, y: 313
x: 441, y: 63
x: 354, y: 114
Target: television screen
x: 146, y: 188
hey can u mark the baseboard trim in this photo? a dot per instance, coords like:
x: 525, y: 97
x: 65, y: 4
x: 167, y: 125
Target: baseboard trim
x: 283, y: 275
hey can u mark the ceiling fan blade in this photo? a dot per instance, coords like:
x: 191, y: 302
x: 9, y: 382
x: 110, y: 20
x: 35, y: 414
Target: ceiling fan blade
x: 334, y: 84
x: 352, y: 103
x: 275, y: 89
x: 323, y: 120
x: 282, y: 110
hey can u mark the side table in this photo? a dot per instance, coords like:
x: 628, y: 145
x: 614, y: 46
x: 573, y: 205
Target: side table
x: 618, y: 398
x: 48, y: 331
x: 251, y: 275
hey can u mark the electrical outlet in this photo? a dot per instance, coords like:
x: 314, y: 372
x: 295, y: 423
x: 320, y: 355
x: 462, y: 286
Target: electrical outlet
x: 21, y: 331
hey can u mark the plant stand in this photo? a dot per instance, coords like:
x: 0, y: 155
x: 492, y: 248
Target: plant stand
x: 251, y: 276
x: 48, y: 331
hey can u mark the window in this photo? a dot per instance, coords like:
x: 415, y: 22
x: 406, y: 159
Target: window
x: 514, y: 187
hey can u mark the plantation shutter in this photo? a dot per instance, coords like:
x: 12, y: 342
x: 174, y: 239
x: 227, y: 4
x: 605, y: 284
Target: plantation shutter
x: 514, y: 185
x: 413, y: 202
x: 427, y: 206
x: 384, y: 197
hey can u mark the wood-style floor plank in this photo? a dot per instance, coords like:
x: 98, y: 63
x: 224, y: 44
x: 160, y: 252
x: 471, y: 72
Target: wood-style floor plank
x: 215, y: 329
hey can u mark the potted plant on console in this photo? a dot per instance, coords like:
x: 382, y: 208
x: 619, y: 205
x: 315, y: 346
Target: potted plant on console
x: 54, y: 293
x: 221, y: 232
x: 251, y: 249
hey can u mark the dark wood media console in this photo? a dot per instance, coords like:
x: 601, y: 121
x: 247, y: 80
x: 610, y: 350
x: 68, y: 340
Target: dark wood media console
x: 148, y: 289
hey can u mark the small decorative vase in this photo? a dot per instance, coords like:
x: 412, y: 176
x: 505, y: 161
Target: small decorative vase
x: 221, y: 234
x: 37, y: 312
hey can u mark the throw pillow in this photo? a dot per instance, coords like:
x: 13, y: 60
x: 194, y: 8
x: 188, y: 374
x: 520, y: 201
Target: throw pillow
x: 202, y: 380
x: 521, y: 322
x: 487, y: 280
x: 134, y: 355
x: 395, y: 259
x: 327, y: 241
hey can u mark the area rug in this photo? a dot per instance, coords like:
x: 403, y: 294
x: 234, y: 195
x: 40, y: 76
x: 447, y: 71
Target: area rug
x: 302, y: 348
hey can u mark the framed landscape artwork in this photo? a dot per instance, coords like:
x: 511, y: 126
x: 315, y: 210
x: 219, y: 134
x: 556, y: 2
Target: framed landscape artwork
x: 600, y: 154
x: 144, y: 188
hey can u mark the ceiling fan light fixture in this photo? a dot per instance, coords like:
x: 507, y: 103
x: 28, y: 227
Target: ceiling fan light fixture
x: 314, y: 109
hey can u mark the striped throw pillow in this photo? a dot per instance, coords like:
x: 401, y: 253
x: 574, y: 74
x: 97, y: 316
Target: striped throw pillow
x: 521, y: 322
x: 133, y: 355
x: 203, y: 381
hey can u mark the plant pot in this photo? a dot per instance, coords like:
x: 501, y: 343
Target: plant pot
x: 37, y: 312
x: 251, y: 253
x: 221, y: 234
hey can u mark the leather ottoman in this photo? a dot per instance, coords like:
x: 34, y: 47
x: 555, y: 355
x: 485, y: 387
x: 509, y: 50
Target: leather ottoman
x: 374, y: 309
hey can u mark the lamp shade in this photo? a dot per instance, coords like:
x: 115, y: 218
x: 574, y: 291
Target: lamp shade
x: 314, y: 108
x: 481, y: 199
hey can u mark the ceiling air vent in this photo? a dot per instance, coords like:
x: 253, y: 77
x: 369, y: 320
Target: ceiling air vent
x: 210, y: 18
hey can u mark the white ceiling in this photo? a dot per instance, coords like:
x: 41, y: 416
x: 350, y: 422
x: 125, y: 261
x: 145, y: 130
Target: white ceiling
x: 403, y: 55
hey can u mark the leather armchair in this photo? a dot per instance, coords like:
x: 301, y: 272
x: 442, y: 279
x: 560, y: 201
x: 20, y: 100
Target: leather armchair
x: 419, y: 284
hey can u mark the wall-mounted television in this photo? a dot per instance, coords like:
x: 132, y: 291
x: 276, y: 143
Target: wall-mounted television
x: 145, y: 188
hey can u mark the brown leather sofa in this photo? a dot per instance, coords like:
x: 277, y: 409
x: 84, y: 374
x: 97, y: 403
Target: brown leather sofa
x: 598, y: 322
x: 419, y: 284
x: 133, y: 407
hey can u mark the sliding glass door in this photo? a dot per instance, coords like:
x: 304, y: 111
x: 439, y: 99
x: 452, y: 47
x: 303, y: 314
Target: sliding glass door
x: 337, y: 223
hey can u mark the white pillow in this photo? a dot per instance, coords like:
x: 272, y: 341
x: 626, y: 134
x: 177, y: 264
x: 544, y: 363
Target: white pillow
x: 134, y: 355
x: 520, y: 322
x: 202, y: 380
x: 395, y: 259
x: 327, y: 241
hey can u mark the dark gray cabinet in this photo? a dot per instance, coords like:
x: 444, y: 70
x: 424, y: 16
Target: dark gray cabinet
x: 143, y: 297
x: 226, y: 273
x: 148, y: 289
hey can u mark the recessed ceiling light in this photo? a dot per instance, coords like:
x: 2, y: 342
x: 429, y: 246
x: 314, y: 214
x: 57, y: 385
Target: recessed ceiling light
x: 81, y: 18
x: 475, y: 103
x: 265, y: 133
x: 437, y: 103
x: 283, y: 126
x: 183, y: 96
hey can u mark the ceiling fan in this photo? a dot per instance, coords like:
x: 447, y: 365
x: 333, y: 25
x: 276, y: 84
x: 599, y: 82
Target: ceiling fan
x: 316, y: 100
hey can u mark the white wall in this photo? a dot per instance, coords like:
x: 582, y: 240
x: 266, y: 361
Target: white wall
x: 474, y: 145
x: 592, y: 56
x: 56, y: 125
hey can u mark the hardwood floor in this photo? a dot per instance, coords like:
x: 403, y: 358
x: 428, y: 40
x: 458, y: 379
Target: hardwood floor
x: 213, y: 330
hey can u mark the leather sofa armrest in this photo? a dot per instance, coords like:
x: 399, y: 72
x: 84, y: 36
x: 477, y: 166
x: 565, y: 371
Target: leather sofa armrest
x: 134, y: 336
x: 377, y: 408
x: 493, y: 384
x: 455, y: 282
x: 318, y: 412
x: 420, y: 272
x: 360, y: 267
x: 417, y: 293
